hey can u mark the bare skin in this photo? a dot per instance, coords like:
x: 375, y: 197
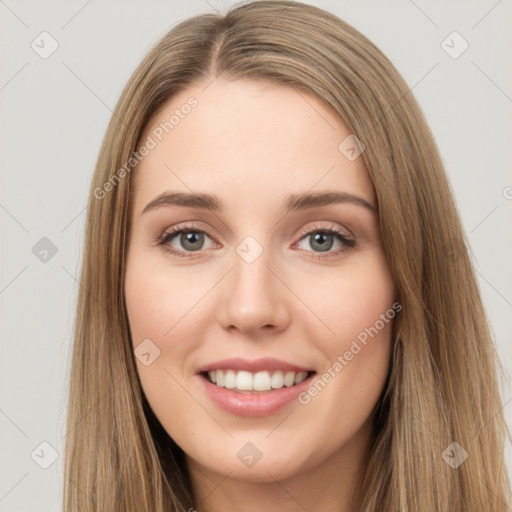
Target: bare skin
x: 252, y: 144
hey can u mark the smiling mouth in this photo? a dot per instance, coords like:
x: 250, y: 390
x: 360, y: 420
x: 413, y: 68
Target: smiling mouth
x: 242, y: 381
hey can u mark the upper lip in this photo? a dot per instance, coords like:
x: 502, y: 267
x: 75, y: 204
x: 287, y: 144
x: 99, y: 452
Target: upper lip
x: 253, y: 366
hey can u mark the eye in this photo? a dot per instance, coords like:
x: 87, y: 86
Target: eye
x: 322, y: 238
x: 188, y: 236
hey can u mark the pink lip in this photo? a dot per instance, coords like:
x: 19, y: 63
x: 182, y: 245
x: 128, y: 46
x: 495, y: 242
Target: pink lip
x: 248, y: 404
x: 256, y: 365
x: 251, y: 405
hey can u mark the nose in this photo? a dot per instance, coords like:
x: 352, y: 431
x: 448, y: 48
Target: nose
x: 254, y: 297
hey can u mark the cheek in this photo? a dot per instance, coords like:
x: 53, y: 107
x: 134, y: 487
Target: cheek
x: 160, y: 310
x: 357, y: 307
x: 159, y: 302
x: 350, y: 302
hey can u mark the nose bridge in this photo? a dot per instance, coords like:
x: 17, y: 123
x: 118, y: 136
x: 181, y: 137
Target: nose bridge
x: 253, y: 297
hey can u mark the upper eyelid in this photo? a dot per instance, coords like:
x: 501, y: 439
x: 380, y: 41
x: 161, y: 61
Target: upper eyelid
x: 190, y: 226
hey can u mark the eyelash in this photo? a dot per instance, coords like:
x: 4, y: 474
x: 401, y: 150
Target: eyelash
x: 348, y: 243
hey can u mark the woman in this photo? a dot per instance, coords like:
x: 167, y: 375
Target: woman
x: 272, y: 315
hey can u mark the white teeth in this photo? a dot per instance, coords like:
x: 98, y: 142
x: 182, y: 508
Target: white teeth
x: 244, y: 381
x: 259, y: 381
x: 277, y: 380
x: 229, y: 379
x: 289, y: 379
x: 299, y: 377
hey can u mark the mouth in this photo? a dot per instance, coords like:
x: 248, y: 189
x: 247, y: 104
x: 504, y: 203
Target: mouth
x: 246, y: 382
x: 254, y: 387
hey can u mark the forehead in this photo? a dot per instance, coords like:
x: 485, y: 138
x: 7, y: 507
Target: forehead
x: 246, y: 140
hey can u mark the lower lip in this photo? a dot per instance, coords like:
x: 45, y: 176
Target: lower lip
x: 251, y: 405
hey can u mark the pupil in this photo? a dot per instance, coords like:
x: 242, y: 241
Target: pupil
x: 192, y: 240
x: 319, y: 238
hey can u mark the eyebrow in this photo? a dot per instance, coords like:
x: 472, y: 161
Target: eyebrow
x: 294, y: 202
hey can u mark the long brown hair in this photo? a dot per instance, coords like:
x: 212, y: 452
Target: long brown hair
x: 442, y: 385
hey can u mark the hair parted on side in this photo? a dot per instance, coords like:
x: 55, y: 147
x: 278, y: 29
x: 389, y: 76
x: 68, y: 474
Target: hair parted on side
x: 442, y: 386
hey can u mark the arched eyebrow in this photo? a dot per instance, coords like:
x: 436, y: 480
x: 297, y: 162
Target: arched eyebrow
x: 305, y: 201
x: 294, y: 202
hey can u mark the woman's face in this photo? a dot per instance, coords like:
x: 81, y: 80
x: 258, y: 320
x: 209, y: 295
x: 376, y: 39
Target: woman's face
x: 281, y: 292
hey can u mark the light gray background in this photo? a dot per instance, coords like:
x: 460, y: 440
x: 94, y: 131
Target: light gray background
x: 54, y: 113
